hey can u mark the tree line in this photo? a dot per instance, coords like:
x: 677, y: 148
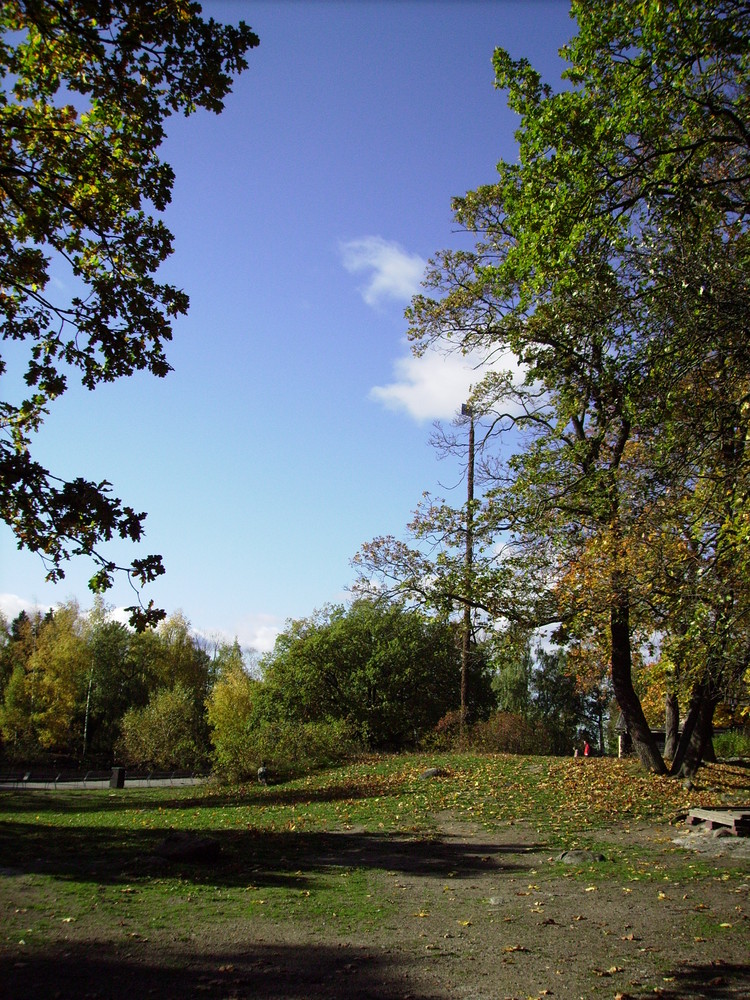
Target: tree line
x: 81, y: 689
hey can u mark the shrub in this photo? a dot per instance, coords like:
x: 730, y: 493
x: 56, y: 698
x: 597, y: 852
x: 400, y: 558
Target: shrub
x: 234, y: 756
x: 733, y: 743
x: 446, y: 734
x: 230, y: 707
x: 288, y: 749
x: 508, y: 732
x: 163, y: 734
x: 503, y: 732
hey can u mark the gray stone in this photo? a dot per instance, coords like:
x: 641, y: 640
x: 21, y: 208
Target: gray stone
x: 579, y: 857
x: 432, y: 772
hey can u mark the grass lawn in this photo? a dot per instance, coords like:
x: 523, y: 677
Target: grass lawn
x: 370, y: 856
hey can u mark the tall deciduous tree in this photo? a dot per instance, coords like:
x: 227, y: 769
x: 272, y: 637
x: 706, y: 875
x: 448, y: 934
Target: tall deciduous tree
x: 43, y: 705
x: 230, y: 707
x: 388, y: 671
x: 165, y: 733
x: 85, y: 89
x: 611, y: 260
x: 123, y: 673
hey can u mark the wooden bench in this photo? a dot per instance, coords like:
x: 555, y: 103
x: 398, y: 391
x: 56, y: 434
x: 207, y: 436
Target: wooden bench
x: 737, y: 820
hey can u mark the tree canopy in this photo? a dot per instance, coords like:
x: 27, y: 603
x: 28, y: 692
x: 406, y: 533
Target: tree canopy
x: 611, y: 261
x: 85, y: 90
x: 388, y: 671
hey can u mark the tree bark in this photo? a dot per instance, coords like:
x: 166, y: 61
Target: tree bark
x: 696, y: 733
x: 671, y: 725
x: 622, y: 681
x: 468, y: 568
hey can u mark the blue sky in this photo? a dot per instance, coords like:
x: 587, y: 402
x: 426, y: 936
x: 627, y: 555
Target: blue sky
x: 295, y: 424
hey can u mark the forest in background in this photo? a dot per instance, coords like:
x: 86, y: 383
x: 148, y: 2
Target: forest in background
x: 80, y: 689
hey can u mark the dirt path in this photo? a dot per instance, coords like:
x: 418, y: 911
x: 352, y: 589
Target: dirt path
x: 478, y: 916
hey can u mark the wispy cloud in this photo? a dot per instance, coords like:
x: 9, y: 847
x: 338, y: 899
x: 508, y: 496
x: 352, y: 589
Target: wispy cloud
x: 433, y: 386
x: 392, y: 272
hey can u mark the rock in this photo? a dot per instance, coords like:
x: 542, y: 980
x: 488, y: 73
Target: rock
x: 579, y: 857
x: 721, y: 831
x: 179, y: 845
x: 432, y: 772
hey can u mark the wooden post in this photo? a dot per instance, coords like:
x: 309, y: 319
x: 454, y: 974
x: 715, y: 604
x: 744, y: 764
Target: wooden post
x: 468, y: 565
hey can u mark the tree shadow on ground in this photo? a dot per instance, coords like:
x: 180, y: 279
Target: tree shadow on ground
x: 98, y: 800
x: 277, y: 972
x: 112, y: 855
x: 716, y: 980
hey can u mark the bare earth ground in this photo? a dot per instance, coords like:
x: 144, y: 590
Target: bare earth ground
x: 478, y: 916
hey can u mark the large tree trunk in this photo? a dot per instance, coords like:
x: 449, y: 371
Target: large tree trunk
x: 696, y: 733
x: 622, y: 681
x: 671, y: 725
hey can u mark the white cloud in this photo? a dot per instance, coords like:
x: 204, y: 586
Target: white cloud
x: 11, y: 605
x: 120, y: 615
x: 433, y: 386
x: 258, y: 631
x: 393, y: 273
